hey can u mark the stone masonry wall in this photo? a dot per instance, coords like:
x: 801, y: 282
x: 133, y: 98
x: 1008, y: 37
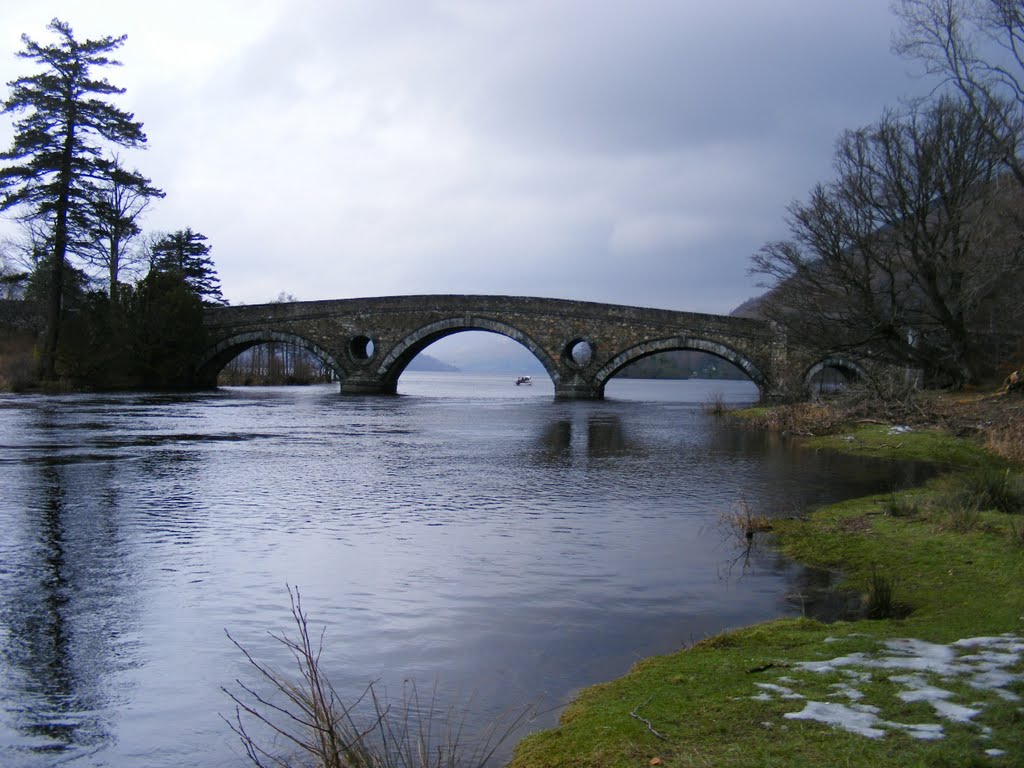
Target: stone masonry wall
x: 369, y: 341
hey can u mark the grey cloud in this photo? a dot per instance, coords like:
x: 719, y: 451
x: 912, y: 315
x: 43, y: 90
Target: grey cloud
x: 615, y: 151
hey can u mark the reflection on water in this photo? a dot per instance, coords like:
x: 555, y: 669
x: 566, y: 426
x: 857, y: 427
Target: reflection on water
x: 595, y: 435
x: 815, y: 593
x: 468, y: 532
x: 66, y: 624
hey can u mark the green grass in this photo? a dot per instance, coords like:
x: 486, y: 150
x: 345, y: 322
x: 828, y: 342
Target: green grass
x: 820, y: 427
x: 955, y: 584
x: 752, y: 412
x: 932, y: 445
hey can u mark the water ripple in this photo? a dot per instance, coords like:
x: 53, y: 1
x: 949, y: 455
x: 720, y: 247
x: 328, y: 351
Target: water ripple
x: 466, y: 532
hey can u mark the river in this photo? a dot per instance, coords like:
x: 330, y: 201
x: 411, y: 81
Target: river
x: 479, y: 538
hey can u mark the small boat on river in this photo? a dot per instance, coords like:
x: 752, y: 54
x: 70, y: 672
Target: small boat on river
x: 524, y: 380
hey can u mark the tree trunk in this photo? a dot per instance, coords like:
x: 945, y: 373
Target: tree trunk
x: 55, y: 302
x: 115, y: 267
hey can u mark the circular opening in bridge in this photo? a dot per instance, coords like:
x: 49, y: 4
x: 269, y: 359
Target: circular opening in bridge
x: 361, y: 348
x: 579, y: 353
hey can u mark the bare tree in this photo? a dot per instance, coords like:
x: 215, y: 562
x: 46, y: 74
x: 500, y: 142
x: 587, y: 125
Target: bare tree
x: 910, y: 256
x: 12, y: 276
x: 977, y: 47
x: 28, y: 248
x: 117, y: 201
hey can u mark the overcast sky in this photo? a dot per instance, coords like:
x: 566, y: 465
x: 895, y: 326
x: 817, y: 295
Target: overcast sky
x: 631, y: 152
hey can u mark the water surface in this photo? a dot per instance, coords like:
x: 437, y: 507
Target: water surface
x: 468, y: 534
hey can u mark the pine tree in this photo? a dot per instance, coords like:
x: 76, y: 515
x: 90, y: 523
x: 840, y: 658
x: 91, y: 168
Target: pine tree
x: 185, y: 253
x: 58, y: 147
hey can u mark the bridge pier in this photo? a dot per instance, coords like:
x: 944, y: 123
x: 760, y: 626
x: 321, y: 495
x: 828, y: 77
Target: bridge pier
x: 578, y: 390
x: 356, y: 385
x: 777, y: 396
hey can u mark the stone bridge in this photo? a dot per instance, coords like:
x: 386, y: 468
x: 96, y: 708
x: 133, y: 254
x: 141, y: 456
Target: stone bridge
x: 369, y: 342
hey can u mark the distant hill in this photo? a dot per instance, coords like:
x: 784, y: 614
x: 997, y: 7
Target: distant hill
x: 483, y: 352
x: 424, y: 362
x: 750, y: 308
x: 519, y: 365
x: 682, y: 364
x: 692, y: 364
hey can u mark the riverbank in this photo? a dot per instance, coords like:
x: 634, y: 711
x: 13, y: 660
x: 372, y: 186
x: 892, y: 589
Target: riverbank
x: 938, y: 679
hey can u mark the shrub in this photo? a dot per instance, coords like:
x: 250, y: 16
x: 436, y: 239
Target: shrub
x: 1005, y: 439
x: 880, y: 601
x: 1017, y: 533
x: 998, y: 489
x: 716, y: 406
x: 963, y: 517
x: 742, y: 523
x: 899, y: 505
x: 306, y: 713
x: 806, y: 419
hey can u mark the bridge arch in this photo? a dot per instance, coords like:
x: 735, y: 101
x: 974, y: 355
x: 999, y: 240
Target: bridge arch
x: 227, y: 349
x: 851, y: 369
x: 399, y: 357
x: 676, y: 343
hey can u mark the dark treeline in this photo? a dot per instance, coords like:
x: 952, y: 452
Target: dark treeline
x: 683, y: 364
x: 146, y: 335
x: 113, y: 308
x: 275, y: 364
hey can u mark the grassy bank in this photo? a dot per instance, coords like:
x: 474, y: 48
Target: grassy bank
x: 941, y: 562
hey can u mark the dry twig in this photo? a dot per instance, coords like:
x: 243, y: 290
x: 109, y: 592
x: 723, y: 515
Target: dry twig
x: 634, y: 714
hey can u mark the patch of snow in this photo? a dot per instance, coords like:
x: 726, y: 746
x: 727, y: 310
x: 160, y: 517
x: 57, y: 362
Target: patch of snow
x: 857, y: 718
x: 918, y: 689
x: 844, y: 637
x: 986, y: 670
x: 832, y: 665
x: 842, y: 689
x: 909, y: 646
x: 1007, y: 643
x: 923, y: 731
x: 985, y: 664
x: 863, y: 720
x: 995, y: 752
x: 899, y: 429
x: 857, y: 675
x: 996, y: 680
x: 782, y: 691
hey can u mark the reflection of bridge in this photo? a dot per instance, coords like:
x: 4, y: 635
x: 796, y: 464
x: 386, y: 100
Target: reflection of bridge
x: 369, y: 342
